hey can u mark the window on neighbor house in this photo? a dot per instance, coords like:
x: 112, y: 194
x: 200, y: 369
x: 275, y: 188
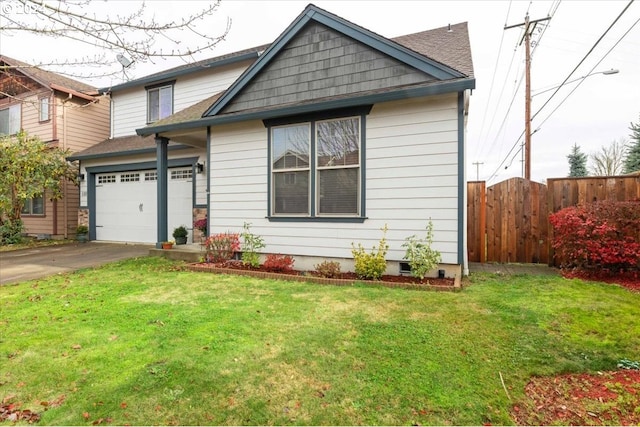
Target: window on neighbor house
x: 34, y: 206
x: 316, y: 168
x: 10, y: 120
x: 159, y: 102
x: 44, y: 109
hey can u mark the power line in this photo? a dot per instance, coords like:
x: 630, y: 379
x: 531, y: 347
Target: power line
x: 584, y: 58
x: 552, y: 11
x: 594, y: 67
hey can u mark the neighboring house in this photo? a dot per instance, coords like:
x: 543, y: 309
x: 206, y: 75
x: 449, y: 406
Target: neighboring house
x: 63, y: 113
x: 329, y: 134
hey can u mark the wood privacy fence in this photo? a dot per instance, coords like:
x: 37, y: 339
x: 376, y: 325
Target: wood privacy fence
x: 509, y: 221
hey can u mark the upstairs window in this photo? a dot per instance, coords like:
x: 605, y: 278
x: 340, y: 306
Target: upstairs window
x: 10, y: 120
x: 159, y: 102
x: 44, y: 109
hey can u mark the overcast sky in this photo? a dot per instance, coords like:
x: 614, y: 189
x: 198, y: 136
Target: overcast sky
x: 598, y: 112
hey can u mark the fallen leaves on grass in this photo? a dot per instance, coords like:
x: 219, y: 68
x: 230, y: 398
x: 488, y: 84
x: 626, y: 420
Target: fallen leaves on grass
x: 604, y: 398
x: 12, y: 412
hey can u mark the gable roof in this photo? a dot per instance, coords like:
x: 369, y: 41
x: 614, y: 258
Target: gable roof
x: 389, y: 47
x: 50, y: 79
x: 444, y: 53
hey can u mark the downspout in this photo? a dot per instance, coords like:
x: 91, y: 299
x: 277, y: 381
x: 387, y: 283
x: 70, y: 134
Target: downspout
x: 54, y: 136
x: 65, y: 202
x: 209, y: 217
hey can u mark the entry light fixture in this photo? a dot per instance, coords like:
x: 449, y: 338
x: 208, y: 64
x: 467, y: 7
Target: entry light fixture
x: 200, y: 167
x: 80, y: 177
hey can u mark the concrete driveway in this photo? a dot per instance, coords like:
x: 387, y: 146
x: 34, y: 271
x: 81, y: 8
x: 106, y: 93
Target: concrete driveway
x: 28, y: 264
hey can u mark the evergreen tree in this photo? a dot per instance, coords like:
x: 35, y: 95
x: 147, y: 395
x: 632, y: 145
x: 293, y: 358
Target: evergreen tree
x: 632, y: 161
x: 577, y: 162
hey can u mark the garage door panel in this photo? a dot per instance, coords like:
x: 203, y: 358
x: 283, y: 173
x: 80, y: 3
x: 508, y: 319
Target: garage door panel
x: 126, y: 204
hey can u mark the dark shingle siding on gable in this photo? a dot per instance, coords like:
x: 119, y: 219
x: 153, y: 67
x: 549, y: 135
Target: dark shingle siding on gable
x: 321, y: 63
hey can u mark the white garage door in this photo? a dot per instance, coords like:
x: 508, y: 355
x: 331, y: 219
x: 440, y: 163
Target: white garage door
x: 126, y: 207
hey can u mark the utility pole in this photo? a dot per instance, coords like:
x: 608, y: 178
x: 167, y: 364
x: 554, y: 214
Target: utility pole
x: 477, y: 164
x: 529, y: 27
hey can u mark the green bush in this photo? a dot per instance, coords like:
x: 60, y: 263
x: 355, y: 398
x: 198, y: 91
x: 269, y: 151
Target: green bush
x: 422, y: 258
x: 251, y: 244
x: 180, y: 231
x: 11, y: 232
x: 371, y: 266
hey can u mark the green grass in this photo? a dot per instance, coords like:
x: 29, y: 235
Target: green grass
x: 141, y: 342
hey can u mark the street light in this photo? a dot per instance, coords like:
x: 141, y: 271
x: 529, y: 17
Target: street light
x: 606, y: 73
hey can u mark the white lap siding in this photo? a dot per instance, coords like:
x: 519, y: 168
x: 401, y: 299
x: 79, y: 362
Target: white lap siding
x: 411, y: 176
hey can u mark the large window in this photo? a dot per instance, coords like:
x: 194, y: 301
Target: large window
x: 10, y: 120
x: 316, y: 168
x: 159, y: 102
x: 34, y: 206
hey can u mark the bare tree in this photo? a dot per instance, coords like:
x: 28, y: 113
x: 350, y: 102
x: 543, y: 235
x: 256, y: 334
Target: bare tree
x: 136, y: 36
x: 609, y: 161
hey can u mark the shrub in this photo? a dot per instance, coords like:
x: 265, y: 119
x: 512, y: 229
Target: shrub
x: 330, y: 269
x: 371, y: 266
x: 82, y: 229
x: 221, y: 247
x: 279, y: 263
x: 422, y: 258
x: 251, y: 244
x: 598, y: 236
x: 11, y: 231
x: 180, y: 231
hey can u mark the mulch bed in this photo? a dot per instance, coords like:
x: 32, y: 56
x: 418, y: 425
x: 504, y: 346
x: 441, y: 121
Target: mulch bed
x: 627, y: 279
x: 344, y: 279
x: 605, y: 398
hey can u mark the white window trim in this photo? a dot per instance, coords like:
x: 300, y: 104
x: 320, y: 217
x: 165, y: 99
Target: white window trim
x: 41, y: 102
x: 158, y: 88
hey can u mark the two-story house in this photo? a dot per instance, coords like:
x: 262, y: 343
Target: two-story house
x: 62, y: 112
x: 318, y: 140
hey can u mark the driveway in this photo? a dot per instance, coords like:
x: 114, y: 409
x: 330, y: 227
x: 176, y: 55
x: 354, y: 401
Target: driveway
x: 28, y: 264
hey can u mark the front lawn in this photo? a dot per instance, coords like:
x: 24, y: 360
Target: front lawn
x: 143, y: 342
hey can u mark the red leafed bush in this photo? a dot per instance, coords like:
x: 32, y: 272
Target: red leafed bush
x: 278, y: 263
x: 222, y: 246
x: 598, y: 236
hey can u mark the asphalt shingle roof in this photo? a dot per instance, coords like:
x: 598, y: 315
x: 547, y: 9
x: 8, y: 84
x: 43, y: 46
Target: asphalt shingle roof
x: 448, y: 45
x: 48, y: 78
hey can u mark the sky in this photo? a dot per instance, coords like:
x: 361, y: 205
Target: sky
x: 579, y: 40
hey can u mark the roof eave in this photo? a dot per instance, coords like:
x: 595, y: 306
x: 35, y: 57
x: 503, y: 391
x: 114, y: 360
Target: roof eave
x: 178, y: 73
x: 73, y: 92
x: 394, y: 95
x: 146, y: 150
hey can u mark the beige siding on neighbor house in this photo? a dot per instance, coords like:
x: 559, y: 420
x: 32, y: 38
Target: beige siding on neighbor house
x: 411, y: 176
x: 130, y: 105
x: 86, y: 123
x: 74, y: 124
x: 31, y: 116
